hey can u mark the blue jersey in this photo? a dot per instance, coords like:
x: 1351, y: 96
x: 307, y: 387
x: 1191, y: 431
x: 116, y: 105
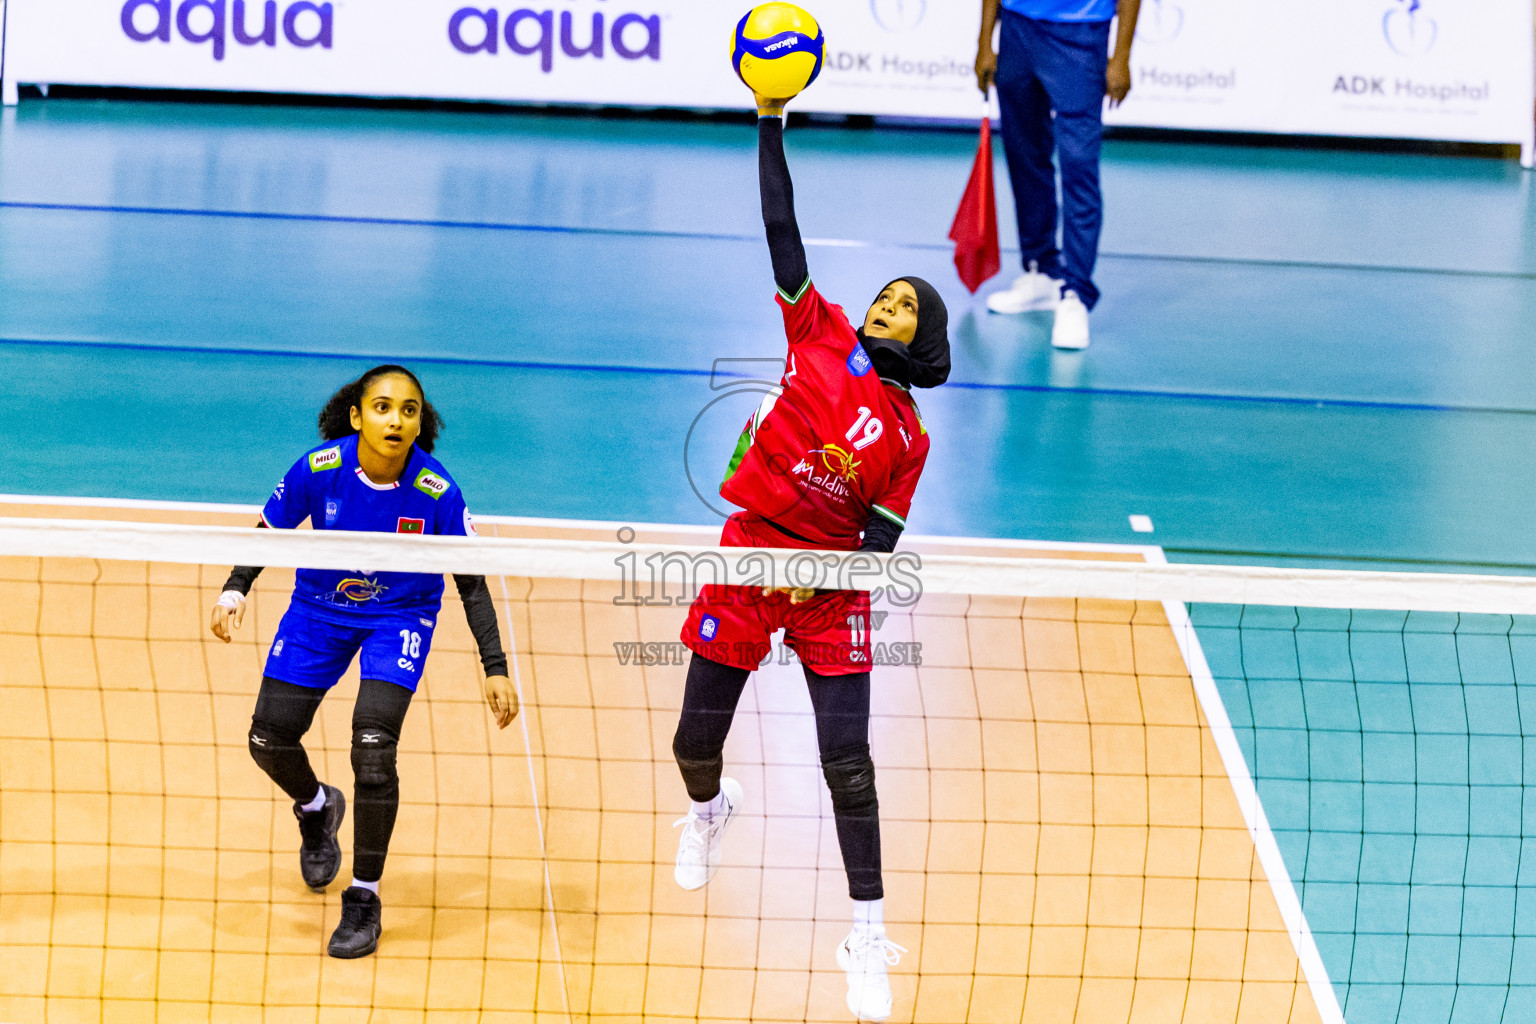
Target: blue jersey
x: 1062, y: 10
x: 330, y: 489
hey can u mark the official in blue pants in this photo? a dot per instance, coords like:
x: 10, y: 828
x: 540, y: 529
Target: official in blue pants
x: 1052, y: 69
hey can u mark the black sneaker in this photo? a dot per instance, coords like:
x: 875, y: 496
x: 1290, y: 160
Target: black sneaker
x: 358, y: 933
x: 319, y: 852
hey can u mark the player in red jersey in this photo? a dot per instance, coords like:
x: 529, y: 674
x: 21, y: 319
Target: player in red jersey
x: 829, y: 460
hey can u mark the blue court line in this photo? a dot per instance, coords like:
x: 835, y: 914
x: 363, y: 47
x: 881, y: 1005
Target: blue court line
x: 678, y: 371
x: 707, y: 236
x: 511, y: 364
x: 408, y: 222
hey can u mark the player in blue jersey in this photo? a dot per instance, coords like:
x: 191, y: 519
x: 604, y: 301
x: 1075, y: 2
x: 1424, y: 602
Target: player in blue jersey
x: 374, y: 473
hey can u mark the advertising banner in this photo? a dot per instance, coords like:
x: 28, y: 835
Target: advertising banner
x: 1439, y: 69
x: 1432, y: 69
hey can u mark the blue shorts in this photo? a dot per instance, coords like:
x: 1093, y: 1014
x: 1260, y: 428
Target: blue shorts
x: 311, y: 651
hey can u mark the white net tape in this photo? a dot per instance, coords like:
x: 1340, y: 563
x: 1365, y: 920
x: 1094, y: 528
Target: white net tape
x: 640, y: 563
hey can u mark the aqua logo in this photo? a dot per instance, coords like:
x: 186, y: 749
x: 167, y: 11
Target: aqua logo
x: 708, y: 627
x: 212, y: 21
x: 898, y: 15
x: 527, y: 32
x: 1409, y: 30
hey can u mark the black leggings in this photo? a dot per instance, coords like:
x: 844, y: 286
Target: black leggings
x: 842, y: 733
x: 284, y: 713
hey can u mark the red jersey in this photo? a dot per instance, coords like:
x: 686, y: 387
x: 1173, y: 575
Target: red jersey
x: 834, y: 442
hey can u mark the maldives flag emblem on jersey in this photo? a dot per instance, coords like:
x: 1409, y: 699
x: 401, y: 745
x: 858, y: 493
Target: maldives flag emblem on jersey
x: 411, y: 525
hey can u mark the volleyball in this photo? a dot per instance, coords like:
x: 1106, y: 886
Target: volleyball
x: 777, y: 50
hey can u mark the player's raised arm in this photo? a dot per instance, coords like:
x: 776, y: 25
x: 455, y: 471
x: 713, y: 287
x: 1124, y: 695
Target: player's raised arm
x: 778, y: 193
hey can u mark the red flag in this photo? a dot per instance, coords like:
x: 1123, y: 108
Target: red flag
x: 975, y: 228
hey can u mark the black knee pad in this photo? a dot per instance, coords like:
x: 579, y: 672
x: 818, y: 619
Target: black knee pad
x: 700, y: 765
x: 691, y: 752
x: 850, y: 775
x: 373, y: 758
x: 267, y: 744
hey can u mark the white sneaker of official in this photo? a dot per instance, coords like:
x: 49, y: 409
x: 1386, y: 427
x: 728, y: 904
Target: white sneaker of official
x: 866, y: 956
x: 698, y: 848
x: 1071, y: 328
x: 1031, y: 290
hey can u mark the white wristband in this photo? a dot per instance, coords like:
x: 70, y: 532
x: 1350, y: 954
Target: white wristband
x: 231, y: 599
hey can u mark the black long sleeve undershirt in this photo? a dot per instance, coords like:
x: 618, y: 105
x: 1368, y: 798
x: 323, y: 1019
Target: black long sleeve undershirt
x: 784, y: 245
x: 880, y: 534
x: 479, y: 611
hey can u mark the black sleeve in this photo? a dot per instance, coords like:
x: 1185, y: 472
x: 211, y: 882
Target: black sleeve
x: 880, y: 534
x: 242, y: 576
x: 480, y: 613
x: 789, y: 270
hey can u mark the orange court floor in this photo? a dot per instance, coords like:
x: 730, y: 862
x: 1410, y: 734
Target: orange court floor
x: 1062, y: 843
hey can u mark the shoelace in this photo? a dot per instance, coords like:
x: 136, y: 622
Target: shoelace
x: 698, y: 830
x: 865, y: 948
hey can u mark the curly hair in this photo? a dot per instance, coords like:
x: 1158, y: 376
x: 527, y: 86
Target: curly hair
x: 336, y: 417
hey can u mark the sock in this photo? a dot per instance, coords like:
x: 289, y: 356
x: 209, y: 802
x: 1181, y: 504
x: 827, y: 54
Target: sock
x: 869, y: 915
x: 315, y: 804
x: 710, y: 808
x: 373, y: 887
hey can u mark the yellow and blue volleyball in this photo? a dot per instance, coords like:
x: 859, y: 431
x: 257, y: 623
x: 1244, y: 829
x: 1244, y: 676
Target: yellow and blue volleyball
x: 777, y: 50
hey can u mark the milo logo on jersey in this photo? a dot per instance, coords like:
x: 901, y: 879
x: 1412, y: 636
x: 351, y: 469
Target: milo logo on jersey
x: 358, y: 591
x: 330, y: 458
x: 430, y: 484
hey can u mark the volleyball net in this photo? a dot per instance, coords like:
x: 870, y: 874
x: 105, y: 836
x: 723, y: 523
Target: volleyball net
x: 1111, y: 790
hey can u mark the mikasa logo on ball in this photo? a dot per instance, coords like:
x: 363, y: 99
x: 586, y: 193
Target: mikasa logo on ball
x: 777, y: 49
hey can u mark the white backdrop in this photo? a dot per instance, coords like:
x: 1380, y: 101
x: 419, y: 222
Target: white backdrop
x: 1438, y: 69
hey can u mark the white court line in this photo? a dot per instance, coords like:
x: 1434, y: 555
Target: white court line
x: 1247, y: 793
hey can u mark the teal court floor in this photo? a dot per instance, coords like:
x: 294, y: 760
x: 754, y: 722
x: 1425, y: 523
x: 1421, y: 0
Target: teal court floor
x: 1301, y: 356
x: 1299, y: 353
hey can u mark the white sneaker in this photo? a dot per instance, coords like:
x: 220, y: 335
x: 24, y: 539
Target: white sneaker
x: 698, y: 848
x: 865, y: 956
x: 1032, y: 290
x: 1071, y: 329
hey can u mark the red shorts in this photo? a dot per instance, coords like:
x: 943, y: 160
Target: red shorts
x: 732, y: 625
